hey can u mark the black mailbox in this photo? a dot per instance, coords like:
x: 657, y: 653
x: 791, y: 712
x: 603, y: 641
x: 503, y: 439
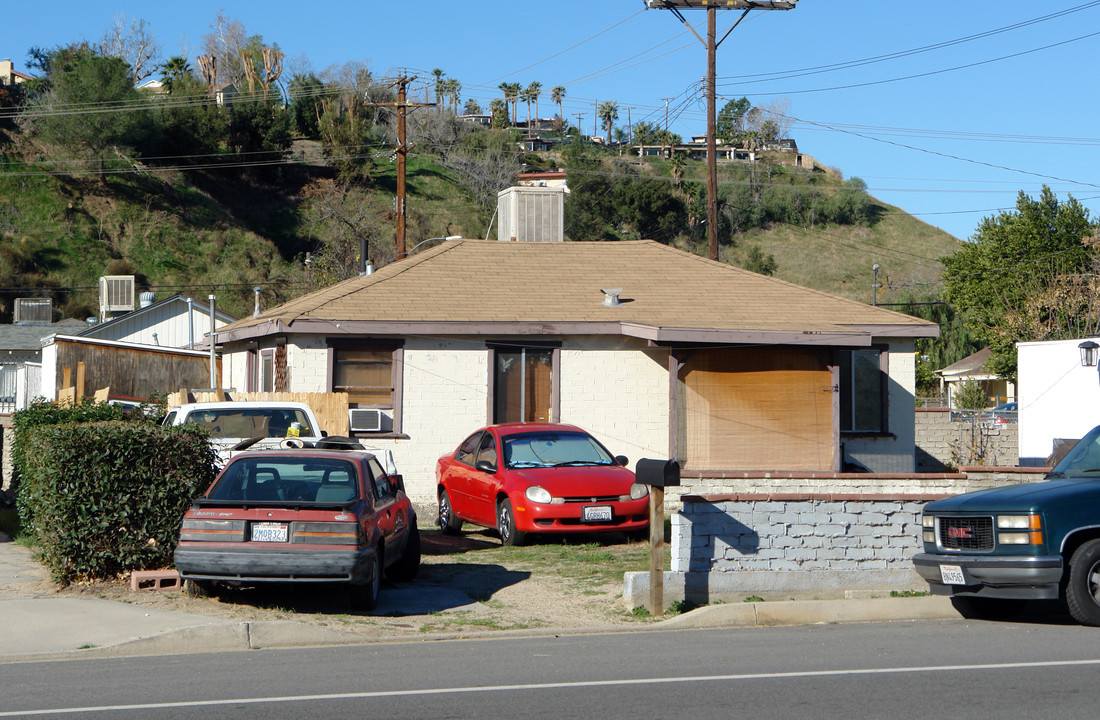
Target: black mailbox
x: 658, y: 473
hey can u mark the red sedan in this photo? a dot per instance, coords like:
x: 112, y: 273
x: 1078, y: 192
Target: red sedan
x: 538, y: 477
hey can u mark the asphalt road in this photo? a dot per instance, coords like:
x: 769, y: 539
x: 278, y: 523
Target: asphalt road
x: 1041, y: 669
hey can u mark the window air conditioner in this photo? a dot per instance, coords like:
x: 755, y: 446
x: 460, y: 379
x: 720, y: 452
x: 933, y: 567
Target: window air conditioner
x: 365, y: 420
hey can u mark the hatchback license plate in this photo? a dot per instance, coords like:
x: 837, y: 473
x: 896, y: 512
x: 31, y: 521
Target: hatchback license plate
x: 597, y: 513
x: 269, y: 532
x: 952, y: 575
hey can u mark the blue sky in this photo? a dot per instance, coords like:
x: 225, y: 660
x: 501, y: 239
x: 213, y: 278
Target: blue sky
x: 946, y: 111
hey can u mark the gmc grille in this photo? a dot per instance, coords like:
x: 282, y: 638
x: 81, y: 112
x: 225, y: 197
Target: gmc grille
x: 966, y: 533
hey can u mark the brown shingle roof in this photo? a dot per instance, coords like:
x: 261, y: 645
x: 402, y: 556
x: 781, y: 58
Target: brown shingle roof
x: 486, y: 286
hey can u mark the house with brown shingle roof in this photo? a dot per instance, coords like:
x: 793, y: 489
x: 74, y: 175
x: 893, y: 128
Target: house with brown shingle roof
x: 657, y: 352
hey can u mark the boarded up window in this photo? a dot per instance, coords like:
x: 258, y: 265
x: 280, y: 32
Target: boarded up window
x: 757, y: 409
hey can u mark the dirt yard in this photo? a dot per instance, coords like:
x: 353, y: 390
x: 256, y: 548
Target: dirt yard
x: 466, y: 584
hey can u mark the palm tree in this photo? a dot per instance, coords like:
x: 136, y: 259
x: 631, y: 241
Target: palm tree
x: 511, y: 95
x: 608, y: 112
x: 498, y: 109
x: 454, y: 90
x: 532, y: 96
x: 557, y: 94
x: 438, y: 74
x: 174, y: 68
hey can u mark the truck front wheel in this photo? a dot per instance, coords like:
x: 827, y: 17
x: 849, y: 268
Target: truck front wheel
x: 1083, y: 588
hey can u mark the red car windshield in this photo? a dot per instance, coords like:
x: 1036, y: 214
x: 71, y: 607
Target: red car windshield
x: 553, y: 449
x: 287, y: 479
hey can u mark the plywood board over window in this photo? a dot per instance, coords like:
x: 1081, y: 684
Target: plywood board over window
x: 757, y: 409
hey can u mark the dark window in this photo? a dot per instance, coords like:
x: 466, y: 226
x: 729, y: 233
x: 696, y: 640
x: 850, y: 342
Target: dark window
x: 862, y: 391
x: 487, y: 451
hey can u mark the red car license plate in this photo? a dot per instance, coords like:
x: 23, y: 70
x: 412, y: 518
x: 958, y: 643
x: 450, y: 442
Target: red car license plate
x: 596, y: 513
x: 269, y: 532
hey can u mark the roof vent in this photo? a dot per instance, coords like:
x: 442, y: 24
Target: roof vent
x: 611, y: 297
x: 146, y: 299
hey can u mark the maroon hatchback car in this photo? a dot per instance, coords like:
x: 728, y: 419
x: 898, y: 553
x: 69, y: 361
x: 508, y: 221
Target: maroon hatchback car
x: 304, y: 515
x: 538, y: 478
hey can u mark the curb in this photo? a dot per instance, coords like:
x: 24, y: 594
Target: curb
x: 244, y: 636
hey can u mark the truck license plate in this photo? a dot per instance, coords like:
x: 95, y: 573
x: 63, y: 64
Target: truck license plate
x: 269, y: 532
x: 952, y: 575
x: 597, y: 513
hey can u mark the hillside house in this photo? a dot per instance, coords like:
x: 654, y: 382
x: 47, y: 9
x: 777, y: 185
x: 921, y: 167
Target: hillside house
x: 658, y: 352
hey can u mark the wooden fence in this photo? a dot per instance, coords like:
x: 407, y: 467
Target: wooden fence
x: 331, y: 409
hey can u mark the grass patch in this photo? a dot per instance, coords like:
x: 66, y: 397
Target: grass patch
x: 461, y: 620
x: 754, y: 599
x: 908, y: 593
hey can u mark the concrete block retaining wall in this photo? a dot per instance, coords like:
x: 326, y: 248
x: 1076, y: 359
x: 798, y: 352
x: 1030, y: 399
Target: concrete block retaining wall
x: 942, y: 443
x: 809, y: 535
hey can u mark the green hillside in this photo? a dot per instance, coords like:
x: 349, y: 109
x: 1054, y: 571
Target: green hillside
x: 226, y: 230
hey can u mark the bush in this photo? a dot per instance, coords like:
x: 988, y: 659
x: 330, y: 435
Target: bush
x: 103, y: 498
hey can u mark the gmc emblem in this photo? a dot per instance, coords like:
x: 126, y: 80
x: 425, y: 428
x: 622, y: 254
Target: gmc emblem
x: 959, y: 533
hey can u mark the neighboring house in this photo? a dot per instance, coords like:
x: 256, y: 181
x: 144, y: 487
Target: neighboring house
x: 224, y: 93
x: 177, y: 322
x: 658, y: 352
x: 972, y: 369
x: 1059, y: 396
x: 553, y: 179
x: 21, y: 357
x: 154, y: 87
x: 10, y: 76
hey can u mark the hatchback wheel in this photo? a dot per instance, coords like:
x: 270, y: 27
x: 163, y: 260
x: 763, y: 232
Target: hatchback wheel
x: 364, y: 595
x: 506, y: 524
x: 408, y: 566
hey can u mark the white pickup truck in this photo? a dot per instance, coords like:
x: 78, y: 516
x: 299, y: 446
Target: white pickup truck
x: 267, y: 424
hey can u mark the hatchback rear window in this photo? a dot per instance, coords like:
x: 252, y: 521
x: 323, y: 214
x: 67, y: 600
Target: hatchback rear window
x: 283, y: 479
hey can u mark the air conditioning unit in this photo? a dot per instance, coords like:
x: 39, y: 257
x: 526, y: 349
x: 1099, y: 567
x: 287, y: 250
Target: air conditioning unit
x: 531, y: 214
x: 116, y: 293
x: 364, y: 420
x: 33, y: 310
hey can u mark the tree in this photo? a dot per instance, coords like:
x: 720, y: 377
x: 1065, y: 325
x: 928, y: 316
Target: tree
x: 348, y: 230
x: 730, y: 123
x: 306, y: 93
x: 531, y: 95
x: 486, y: 162
x: 557, y: 94
x: 439, y: 76
x: 499, y: 110
x: 1020, y: 276
x: 173, y: 70
x: 608, y: 112
x: 134, y: 44
x: 91, y: 82
x: 472, y: 107
x: 511, y: 96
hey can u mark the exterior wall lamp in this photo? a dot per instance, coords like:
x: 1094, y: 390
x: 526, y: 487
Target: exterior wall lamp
x: 1088, y: 353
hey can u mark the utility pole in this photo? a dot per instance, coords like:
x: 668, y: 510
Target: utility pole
x: 712, y: 46
x: 666, y: 113
x: 400, y: 154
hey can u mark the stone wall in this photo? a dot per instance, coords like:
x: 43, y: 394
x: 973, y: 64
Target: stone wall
x: 942, y: 443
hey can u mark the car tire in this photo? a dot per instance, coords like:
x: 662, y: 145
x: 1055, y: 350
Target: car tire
x: 448, y: 523
x: 983, y: 608
x: 506, y: 525
x: 364, y: 595
x: 408, y: 566
x: 198, y: 588
x: 1083, y: 587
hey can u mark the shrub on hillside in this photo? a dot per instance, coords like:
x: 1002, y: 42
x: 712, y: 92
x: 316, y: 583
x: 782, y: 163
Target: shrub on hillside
x: 103, y: 498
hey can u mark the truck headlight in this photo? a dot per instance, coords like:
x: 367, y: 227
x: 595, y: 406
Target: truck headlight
x: 1030, y: 527
x: 928, y: 526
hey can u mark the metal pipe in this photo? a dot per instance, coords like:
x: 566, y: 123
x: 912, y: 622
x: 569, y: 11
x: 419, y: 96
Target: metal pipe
x: 213, y: 368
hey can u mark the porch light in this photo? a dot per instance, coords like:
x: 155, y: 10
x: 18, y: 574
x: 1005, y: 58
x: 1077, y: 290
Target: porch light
x: 1088, y: 353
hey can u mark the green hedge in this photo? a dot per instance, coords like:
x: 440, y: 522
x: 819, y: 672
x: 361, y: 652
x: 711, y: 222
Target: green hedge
x: 103, y: 498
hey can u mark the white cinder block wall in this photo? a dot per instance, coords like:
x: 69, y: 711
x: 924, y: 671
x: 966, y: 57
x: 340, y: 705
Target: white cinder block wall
x: 617, y: 389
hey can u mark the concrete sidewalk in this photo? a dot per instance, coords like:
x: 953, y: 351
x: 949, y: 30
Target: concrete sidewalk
x: 58, y: 628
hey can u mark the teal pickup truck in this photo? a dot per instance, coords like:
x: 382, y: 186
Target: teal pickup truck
x: 993, y: 550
